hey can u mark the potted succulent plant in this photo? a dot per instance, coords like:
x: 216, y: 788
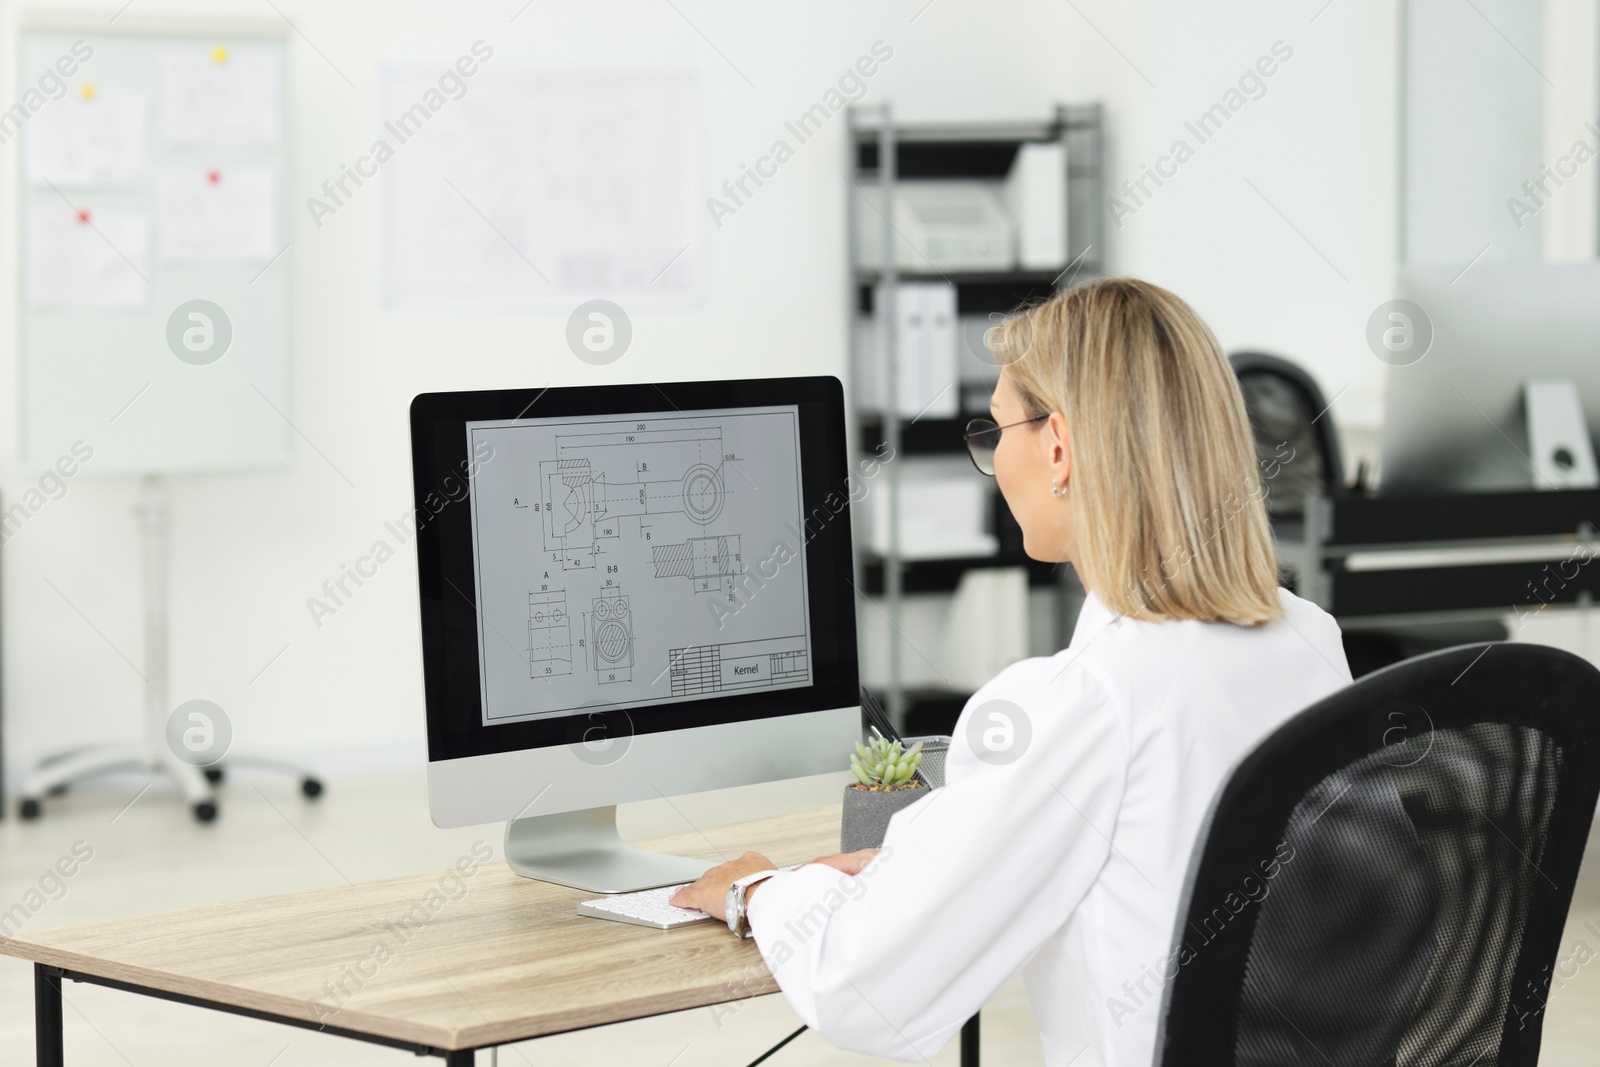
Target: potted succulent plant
x: 886, y: 781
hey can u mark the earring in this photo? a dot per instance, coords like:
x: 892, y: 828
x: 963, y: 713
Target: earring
x: 1057, y: 492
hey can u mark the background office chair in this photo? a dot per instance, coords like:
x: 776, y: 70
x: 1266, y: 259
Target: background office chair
x: 1288, y: 417
x: 1385, y: 879
x: 1287, y: 411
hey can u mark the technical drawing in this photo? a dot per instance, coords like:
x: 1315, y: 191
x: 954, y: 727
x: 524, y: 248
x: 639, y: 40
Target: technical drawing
x: 616, y: 542
x: 611, y: 637
x: 718, y: 668
x: 568, y: 508
x: 604, y: 474
x: 549, y: 634
x: 703, y: 492
x: 710, y: 563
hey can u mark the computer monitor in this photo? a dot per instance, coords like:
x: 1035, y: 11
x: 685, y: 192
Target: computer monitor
x: 629, y: 592
x: 1454, y: 418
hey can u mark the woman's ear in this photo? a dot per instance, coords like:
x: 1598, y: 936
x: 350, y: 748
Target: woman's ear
x: 1058, y: 447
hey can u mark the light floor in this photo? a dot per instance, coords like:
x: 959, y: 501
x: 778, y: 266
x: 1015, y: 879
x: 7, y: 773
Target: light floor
x: 268, y: 840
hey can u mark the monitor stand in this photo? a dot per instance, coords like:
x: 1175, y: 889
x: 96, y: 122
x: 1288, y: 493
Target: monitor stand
x: 582, y: 849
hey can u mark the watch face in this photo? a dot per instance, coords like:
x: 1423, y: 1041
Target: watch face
x: 732, y: 904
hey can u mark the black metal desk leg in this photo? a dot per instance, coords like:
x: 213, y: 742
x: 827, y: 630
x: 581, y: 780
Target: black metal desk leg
x: 969, y: 1043
x: 47, y: 1016
x: 461, y: 1057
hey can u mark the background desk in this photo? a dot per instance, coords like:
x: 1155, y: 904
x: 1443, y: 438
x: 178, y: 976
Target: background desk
x: 1375, y: 560
x: 509, y: 960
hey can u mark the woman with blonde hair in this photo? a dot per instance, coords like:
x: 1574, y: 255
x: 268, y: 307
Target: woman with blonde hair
x: 1076, y: 783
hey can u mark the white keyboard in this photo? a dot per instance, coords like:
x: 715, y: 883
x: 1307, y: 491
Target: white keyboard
x: 648, y: 907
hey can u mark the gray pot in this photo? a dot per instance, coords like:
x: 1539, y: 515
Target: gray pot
x: 866, y: 815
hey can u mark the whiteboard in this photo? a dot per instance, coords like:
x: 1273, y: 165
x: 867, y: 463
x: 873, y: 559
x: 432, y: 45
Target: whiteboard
x: 153, y: 189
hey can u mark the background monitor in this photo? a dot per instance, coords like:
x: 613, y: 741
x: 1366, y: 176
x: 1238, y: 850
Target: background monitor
x: 629, y: 592
x: 1454, y: 418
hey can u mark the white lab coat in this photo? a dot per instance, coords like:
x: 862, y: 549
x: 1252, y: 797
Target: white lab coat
x: 1067, y: 862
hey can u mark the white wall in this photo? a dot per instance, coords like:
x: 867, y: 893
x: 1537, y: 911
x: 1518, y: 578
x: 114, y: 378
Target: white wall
x: 1293, y: 265
x: 247, y: 551
x: 1572, y: 62
x: 1281, y: 230
x: 1497, y: 98
x: 1475, y: 131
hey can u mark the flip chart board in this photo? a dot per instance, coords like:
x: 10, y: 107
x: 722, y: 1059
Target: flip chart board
x: 154, y: 223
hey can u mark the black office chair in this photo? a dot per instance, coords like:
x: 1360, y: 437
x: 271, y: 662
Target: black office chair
x: 1288, y: 416
x: 1385, y: 879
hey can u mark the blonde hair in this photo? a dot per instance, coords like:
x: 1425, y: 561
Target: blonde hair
x: 1166, y: 496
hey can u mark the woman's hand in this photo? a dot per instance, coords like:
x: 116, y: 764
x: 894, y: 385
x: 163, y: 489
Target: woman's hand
x: 710, y: 892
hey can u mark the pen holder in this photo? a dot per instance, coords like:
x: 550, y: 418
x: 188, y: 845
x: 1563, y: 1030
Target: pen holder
x: 867, y: 812
x: 934, y: 749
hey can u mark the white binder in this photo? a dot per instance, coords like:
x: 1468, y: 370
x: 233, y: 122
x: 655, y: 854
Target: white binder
x: 926, y: 372
x: 1036, y: 196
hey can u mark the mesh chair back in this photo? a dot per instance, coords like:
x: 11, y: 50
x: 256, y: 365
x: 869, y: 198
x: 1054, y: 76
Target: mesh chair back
x: 1295, y: 442
x: 1385, y: 879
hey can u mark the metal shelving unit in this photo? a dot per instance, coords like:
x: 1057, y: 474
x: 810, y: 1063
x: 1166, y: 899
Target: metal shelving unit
x: 884, y: 152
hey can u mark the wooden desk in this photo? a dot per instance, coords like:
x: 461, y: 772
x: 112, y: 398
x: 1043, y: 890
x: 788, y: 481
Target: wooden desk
x: 508, y: 959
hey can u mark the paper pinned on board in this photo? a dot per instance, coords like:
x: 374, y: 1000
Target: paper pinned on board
x: 94, y: 139
x: 223, y: 214
x: 85, y: 259
x: 232, y: 101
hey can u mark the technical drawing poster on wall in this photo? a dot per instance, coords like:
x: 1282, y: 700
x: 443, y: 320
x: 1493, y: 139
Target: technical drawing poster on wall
x: 640, y: 559
x: 514, y: 186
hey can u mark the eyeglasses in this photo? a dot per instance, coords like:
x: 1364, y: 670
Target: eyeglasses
x: 983, y: 437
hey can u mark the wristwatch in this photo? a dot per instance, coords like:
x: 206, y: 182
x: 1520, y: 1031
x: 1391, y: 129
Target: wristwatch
x: 738, y: 921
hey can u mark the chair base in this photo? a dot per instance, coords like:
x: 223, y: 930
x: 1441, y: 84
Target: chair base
x: 58, y: 773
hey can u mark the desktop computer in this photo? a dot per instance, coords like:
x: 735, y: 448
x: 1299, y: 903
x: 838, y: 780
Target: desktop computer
x: 1464, y: 410
x: 629, y: 592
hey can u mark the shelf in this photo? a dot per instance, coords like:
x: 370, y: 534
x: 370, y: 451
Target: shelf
x: 981, y: 293
x: 925, y: 437
x: 1502, y: 588
x: 983, y: 152
x: 1507, y: 513
x: 943, y: 575
x: 932, y: 711
x: 1069, y: 119
x: 991, y: 158
x: 869, y: 275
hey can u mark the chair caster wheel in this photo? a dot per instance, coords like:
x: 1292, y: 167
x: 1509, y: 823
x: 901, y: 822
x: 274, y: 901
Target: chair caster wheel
x: 205, y: 811
x: 29, y: 808
x: 213, y: 774
x: 311, y: 787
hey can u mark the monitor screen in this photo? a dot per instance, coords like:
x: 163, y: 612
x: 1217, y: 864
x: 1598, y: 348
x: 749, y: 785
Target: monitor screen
x: 631, y: 559
x: 639, y: 561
